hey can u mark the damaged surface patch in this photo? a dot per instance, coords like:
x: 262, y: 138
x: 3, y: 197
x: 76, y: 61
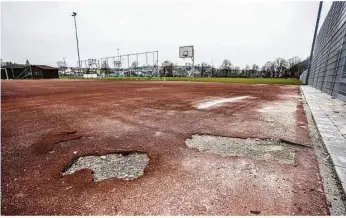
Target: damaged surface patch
x: 268, y: 150
x: 121, y: 166
x: 218, y: 102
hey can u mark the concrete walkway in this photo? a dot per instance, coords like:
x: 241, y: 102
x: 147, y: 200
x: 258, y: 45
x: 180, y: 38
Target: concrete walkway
x: 329, y: 115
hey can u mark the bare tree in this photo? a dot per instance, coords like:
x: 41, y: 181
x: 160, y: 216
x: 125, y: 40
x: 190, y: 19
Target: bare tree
x: 293, y: 61
x: 134, y: 64
x: 168, y: 68
x: 293, y: 66
x: 255, y: 69
x: 62, y: 65
x: 6, y: 63
x: 166, y: 63
x: 226, y: 64
x: 280, y: 65
x: 204, y: 67
x: 237, y: 70
x: 105, y: 67
x: 226, y: 67
x: 268, y: 69
x: 247, y: 70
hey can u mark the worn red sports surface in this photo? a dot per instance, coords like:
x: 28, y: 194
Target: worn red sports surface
x: 39, y: 120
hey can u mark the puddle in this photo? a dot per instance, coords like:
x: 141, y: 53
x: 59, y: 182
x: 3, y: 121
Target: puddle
x: 124, y: 166
x: 269, y: 150
x: 218, y: 102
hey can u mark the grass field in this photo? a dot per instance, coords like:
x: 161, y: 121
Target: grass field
x: 280, y: 81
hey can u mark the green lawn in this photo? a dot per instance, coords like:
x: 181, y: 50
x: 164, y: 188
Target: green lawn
x: 281, y: 81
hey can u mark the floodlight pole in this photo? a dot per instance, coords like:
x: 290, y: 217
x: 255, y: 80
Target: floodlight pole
x: 74, y: 14
x: 313, y: 42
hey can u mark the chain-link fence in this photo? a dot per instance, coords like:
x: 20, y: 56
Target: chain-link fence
x: 328, y: 66
x: 143, y: 64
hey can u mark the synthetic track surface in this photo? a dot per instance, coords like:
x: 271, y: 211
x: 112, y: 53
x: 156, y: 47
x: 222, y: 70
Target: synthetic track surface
x: 39, y: 120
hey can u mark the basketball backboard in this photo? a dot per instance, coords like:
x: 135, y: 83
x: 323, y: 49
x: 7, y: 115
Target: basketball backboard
x: 186, y: 51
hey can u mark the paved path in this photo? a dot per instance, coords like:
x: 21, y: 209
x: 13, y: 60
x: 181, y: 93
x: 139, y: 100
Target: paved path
x: 330, y: 117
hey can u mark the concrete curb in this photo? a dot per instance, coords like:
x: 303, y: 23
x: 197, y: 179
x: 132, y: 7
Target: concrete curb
x: 329, y: 115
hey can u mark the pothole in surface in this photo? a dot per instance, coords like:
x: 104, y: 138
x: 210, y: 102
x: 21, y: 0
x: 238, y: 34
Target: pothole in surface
x: 124, y: 166
x: 269, y: 150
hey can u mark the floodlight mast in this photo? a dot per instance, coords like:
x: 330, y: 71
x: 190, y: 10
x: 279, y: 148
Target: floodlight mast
x: 74, y: 14
x: 313, y: 42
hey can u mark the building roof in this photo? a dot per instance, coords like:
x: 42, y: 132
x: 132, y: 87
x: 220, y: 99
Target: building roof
x: 21, y: 66
x: 45, y: 67
x: 14, y: 66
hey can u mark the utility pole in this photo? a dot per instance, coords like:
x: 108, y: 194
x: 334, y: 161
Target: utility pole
x: 74, y: 14
x: 313, y: 41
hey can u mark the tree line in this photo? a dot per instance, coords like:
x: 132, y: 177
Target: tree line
x: 279, y: 67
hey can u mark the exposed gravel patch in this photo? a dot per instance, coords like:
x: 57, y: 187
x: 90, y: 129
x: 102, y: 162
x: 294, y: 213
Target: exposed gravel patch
x: 282, y: 112
x: 119, y: 166
x: 268, y: 150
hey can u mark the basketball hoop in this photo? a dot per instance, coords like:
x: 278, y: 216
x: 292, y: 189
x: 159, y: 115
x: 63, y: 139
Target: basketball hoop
x: 188, y: 52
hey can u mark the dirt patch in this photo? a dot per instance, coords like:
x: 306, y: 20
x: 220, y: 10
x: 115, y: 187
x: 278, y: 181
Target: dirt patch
x: 50, y: 139
x: 121, y: 166
x: 269, y: 150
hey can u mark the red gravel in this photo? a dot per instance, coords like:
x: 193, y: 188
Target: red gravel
x: 39, y: 120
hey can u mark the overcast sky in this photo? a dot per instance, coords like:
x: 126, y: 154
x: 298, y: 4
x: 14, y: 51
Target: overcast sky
x: 243, y: 32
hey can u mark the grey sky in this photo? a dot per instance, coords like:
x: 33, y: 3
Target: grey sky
x: 244, y: 32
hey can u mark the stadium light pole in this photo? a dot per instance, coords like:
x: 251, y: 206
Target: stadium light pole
x: 313, y: 42
x: 74, y: 14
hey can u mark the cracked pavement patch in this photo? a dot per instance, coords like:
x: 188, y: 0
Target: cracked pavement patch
x: 268, y: 150
x: 121, y: 166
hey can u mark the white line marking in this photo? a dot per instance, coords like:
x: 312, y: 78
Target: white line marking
x: 218, y: 102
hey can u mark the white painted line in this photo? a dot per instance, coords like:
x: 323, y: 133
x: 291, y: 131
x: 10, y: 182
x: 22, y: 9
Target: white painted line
x: 218, y: 102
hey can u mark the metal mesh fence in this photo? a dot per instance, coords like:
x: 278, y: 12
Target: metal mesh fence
x: 328, y: 66
x: 144, y: 64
